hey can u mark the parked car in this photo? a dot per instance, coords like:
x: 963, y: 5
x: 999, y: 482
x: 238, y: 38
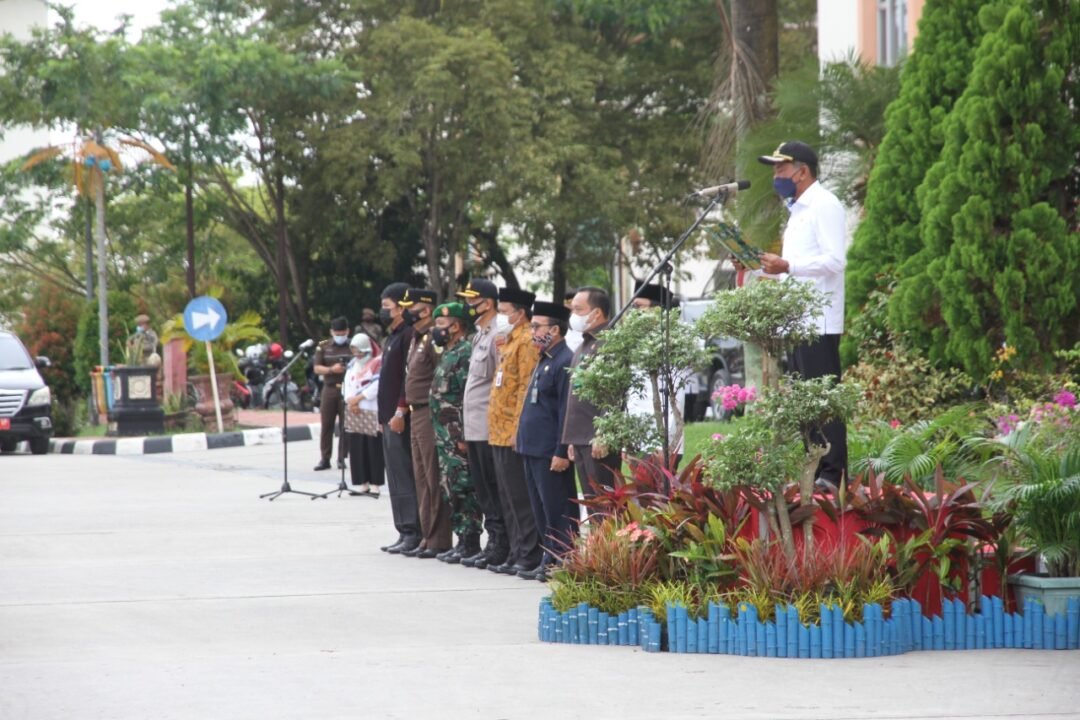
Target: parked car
x: 726, y: 367
x: 25, y: 400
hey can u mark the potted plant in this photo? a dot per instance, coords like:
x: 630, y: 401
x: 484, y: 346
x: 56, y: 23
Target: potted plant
x: 1038, y: 481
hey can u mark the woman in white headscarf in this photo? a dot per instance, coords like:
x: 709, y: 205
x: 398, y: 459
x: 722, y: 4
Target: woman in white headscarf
x: 361, y: 392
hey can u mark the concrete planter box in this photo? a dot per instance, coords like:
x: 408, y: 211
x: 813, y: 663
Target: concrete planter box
x: 1052, y: 592
x: 136, y: 407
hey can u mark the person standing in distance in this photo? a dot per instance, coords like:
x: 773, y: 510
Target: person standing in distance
x: 815, y: 252
x: 482, y: 297
x: 549, y: 474
x: 331, y: 359
x: 517, y: 359
x: 418, y: 305
x: 450, y: 336
x: 395, y: 427
x: 361, y: 390
x: 595, y: 463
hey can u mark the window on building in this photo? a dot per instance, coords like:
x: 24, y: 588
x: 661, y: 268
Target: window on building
x: 891, y: 31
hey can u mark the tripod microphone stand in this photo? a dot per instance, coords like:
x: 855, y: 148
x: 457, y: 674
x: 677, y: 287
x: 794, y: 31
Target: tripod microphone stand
x: 342, y: 486
x: 282, y: 379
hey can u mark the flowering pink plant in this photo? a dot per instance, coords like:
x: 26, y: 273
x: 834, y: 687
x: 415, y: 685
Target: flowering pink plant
x: 735, y: 396
x: 1065, y: 399
x: 636, y: 532
x: 1007, y: 423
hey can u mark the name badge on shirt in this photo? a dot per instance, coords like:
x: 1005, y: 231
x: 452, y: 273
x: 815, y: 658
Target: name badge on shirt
x: 498, y: 379
x: 534, y: 396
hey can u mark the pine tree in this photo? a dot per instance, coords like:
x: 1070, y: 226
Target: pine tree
x: 932, y: 79
x: 1000, y: 261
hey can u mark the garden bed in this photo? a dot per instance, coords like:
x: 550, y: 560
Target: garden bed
x: 905, y: 629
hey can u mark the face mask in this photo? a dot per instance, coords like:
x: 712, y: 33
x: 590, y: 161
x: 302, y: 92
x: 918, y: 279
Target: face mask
x: 502, y: 323
x: 140, y: 329
x: 543, y: 341
x: 474, y: 309
x: 440, y: 336
x: 580, y: 323
x: 574, y: 340
x: 341, y: 339
x: 384, y: 316
x: 785, y: 187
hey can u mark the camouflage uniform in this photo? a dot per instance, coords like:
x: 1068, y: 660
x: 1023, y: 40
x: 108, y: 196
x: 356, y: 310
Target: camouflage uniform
x: 447, y: 394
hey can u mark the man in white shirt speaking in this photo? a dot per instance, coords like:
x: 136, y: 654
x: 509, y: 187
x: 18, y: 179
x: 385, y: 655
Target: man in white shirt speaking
x: 814, y: 251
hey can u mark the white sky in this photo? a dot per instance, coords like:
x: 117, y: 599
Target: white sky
x: 103, y: 14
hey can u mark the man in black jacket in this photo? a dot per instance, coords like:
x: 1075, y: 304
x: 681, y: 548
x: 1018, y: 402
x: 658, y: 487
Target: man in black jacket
x: 396, y: 445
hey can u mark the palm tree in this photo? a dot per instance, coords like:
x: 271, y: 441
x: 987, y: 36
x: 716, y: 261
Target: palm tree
x: 90, y: 160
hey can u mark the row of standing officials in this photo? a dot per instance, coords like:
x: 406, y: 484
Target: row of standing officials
x: 468, y: 409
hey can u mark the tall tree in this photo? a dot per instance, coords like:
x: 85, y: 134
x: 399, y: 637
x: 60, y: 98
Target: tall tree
x: 1000, y: 257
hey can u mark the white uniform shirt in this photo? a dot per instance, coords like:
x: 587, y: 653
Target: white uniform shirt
x: 815, y: 246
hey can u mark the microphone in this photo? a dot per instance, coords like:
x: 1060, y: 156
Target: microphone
x: 729, y: 189
x: 309, y: 343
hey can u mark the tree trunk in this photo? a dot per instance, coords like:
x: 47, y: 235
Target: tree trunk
x: 102, y: 267
x: 806, y: 492
x: 755, y: 26
x: 786, y: 539
x: 282, y: 245
x: 189, y: 214
x: 558, y: 269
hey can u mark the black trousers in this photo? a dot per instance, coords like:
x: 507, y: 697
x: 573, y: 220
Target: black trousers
x: 819, y: 359
x: 399, y: 476
x: 516, y: 506
x: 482, y: 469
x: 366, y: 463
x: 595, y: 470
x: 552, y: 495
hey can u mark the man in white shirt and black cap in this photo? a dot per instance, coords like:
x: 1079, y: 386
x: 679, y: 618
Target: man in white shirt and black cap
x: 815, y: 252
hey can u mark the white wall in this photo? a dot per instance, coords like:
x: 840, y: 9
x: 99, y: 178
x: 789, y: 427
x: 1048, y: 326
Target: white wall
x: 837, y: 29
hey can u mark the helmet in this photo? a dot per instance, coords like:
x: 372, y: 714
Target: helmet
x: 275, y: 351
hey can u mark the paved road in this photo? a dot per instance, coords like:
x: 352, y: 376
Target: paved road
x: 160, y: 587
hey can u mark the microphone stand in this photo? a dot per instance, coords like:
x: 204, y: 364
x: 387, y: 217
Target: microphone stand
x: 665, y: 270
x: 282, y: 379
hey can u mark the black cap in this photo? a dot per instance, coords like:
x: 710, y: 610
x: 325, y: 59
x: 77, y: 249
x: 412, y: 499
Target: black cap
x: 395, y: 291
x: 656, y: 294
x: 479, y: 288
x: 418, y: 295
x: 553, y: 310
x: 792, y: 151
x: 523, y: 298
x: 339, y: 323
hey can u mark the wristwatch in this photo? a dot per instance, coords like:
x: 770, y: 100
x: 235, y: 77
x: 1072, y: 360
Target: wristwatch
x: 399, y: 413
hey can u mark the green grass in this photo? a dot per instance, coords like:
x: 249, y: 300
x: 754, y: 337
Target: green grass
x: 699, y: 434
x: 89, y: 431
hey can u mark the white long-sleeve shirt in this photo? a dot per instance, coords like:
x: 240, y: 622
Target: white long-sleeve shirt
x: 815, y: 246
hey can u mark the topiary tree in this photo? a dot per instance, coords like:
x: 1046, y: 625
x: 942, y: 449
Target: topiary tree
x: 633, y: 360
x: 1000, y: 251
x: 775, y: 446
x: 933, y: 77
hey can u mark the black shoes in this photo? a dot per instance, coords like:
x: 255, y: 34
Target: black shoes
x: 411, y: 549
x: 479, y: 556
x: 396, y: 543
x: 428, y: 553
x: 406, y: 546
x: 323, y: 465
x: 537, y: 573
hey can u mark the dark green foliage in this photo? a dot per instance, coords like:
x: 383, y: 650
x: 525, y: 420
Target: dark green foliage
x: 87, y: 355
x: 932, y: 79
x: 1000, y: 256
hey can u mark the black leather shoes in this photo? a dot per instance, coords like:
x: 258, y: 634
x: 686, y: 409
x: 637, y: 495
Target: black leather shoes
x: 447, y: 554
x: 386, y: 548
x: 428, y: 553
x: 406, y: 545
x: 537, y: 573
x: 323, y: 465
x: 412, y: 551
x: 506, y: 568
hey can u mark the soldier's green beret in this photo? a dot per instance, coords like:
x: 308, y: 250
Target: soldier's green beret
x: 454, y: 310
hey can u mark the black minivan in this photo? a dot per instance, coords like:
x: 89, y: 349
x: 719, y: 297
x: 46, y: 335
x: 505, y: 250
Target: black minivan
x: 25, y: 400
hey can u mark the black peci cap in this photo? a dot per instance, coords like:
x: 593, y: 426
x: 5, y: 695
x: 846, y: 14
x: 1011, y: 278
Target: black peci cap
x: 517, y: 297
x: 656, y: 294
x: 395, y: 291
x: 792, y: 151
x: 553, y: 310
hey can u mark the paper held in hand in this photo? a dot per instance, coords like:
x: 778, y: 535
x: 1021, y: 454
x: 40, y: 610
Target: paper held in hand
x: 729, y: 238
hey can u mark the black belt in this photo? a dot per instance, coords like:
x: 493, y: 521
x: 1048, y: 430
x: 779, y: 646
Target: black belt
x: 414, y: 406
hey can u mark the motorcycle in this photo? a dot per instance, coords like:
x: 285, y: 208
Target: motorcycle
x: 247, y: 391
x: 278, y: 389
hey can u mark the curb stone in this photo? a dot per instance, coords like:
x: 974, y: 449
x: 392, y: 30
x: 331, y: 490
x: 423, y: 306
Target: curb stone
x: 185, y: 442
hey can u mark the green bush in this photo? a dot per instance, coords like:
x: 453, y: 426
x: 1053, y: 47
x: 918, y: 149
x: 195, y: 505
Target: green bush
x: 87, y: 355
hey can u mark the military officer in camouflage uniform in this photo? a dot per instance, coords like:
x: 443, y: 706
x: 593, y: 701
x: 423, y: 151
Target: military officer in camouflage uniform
x: 450, y: 336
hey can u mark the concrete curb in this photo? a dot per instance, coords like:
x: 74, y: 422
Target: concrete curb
x: 187, y: 442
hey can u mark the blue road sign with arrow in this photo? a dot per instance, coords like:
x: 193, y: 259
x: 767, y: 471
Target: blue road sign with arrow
x: 205, y: 318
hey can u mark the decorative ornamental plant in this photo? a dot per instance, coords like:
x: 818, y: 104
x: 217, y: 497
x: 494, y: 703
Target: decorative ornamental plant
x: 633, y: 359
x: 776, y: 445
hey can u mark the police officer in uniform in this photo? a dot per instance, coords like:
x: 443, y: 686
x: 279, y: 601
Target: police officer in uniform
x: 417, y: 307
x: 331, y: 359
x: 548, y: 471
x: 144, y: 340
x: 450, y: 336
